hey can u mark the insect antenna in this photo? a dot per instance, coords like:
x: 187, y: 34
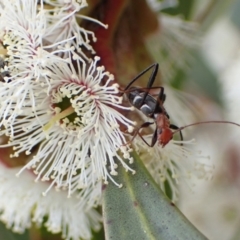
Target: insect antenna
x: 143, y: 89
x: 205, y: 122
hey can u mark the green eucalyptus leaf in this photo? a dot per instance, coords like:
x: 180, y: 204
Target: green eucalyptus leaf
x: 7, y: 234
x: 140, y: 210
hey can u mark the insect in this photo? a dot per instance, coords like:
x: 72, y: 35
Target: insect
x: 153, y: 108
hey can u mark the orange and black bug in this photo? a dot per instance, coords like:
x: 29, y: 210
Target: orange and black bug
x: 153, y: 108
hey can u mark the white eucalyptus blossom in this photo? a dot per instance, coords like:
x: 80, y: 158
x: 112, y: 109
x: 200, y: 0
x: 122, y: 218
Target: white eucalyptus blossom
x: 22, y: 203
x: 65, y: 106
x: 22, y: 30
x: 77, y: 125
x: 25, y: 30
x: 173, y: 163
x: 63, y: 19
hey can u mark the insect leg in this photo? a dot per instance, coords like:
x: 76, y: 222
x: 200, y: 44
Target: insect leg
x: 172, y: 126
x: 154, y: 138
x: 144, y: 125
x: 150, y: 82
x: 151, y: 79
x: 160, y: 100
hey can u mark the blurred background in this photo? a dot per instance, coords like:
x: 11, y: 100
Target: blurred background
x: 210, y: 79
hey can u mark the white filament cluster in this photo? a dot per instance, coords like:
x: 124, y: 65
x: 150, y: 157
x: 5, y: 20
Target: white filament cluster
x: 173, y: 163
x: 22, y: 202
x: 59, y: 107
